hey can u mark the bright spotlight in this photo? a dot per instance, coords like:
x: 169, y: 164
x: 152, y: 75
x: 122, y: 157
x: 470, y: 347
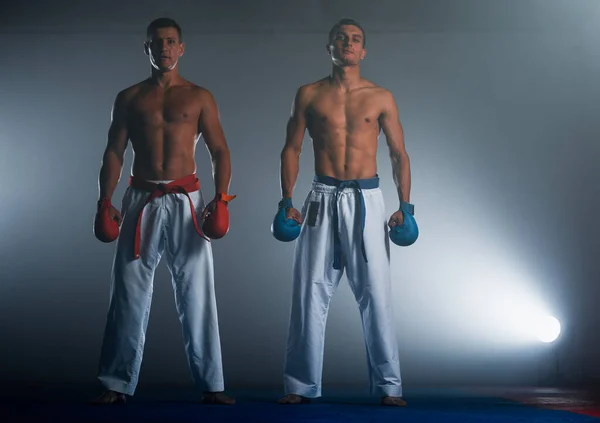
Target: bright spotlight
x: 548, y: 329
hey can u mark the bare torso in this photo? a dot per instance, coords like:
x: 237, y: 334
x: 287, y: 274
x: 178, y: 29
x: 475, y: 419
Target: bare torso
x: 345, y: 127
x: 163, y: 129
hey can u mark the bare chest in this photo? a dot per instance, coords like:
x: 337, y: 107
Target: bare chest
x: 159, y: 109
x: 349, y: 112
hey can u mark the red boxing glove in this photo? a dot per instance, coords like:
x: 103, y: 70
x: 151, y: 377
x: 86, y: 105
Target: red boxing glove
x: 216, y: 224
x: 105, y: 228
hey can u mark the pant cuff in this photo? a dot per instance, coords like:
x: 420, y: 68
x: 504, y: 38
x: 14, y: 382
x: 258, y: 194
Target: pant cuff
x: 302, y: 390
x: 118, y: 386
x: 388, y: 391
x: 211, y: 386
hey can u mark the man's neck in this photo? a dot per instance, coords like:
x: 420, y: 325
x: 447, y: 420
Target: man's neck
x: 165, y: 79
x: 345, y: 77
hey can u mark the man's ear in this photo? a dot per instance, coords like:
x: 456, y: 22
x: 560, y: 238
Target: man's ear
x: 147, y: 48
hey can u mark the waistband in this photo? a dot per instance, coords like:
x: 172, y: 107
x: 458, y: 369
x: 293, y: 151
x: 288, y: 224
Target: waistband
x: 183, y: 185
x: 189, y: 183
x: 368, y: 183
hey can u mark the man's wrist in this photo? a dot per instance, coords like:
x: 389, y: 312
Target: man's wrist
x: 103, y: 201
x: 407, y: 207
x: 224, y: 197
x: 286, y: 202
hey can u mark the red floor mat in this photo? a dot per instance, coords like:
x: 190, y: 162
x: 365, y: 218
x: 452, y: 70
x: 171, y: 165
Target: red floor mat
x: 579, y: 401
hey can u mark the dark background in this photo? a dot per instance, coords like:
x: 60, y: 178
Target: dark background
x: 499, y: 103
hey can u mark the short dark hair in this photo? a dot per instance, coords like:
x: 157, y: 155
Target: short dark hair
x: 163, y: 23
x: 346, y: 21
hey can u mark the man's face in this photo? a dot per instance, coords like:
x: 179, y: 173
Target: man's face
x: 164, y: 49
x: 346, y: 46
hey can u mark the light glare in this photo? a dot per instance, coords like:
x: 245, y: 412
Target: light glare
x: 548, y: 329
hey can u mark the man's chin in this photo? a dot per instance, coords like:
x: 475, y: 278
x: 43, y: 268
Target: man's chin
x: 344, y: 63
x: 164, y: 69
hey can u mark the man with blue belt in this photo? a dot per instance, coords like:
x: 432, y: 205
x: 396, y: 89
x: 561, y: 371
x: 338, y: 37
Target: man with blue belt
x: 343, y: 219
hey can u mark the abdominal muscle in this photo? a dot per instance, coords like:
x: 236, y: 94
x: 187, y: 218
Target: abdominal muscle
x: 346, y: 159
x: 165, y: 155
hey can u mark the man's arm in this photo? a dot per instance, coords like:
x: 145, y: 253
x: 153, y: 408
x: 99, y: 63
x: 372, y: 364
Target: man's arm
x: 216, y: 144
x: 118, y: 137
x: 290, y: 155
x: 392, y: 129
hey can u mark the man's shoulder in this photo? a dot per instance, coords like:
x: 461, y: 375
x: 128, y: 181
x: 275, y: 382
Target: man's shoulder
x: 306, y: 91
x: 381, y: 95
x: 320, y: 83
x: 200, y: 92
x: 376, y: 89
x: 131, y: 91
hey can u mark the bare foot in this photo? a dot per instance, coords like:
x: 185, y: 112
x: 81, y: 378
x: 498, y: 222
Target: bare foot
x: 109, y: 398
x: 217, y: 398
x: 393, y: 401
x: 293, y: 399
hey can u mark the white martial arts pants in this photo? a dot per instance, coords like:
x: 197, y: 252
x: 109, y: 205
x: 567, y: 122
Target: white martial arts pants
x: 315, y: 281
x: 167, y: 227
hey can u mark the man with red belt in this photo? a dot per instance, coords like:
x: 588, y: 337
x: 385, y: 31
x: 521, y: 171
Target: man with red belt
x: 163, y: 212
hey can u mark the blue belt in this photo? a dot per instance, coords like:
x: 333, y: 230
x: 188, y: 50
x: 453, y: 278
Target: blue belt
x: 358, y: 185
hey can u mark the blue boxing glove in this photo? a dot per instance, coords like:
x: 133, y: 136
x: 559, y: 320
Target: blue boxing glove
x: 407, y: 233
x: 283, y: 229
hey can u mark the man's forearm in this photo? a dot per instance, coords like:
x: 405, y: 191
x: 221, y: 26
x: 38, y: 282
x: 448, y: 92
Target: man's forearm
x: 222, y: 171
x: 401, y: 171
x: 110, y: 173
x: 290, y: 166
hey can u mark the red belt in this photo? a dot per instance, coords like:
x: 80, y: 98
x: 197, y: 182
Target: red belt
x: 183, y: 185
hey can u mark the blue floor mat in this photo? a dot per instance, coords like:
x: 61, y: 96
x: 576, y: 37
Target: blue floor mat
x: 347, y: 406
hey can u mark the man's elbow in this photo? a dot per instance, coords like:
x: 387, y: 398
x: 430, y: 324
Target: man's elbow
x: 113, y: 155
x: 400, y: 157
x: 291, y: 151
x: 220, y: 153
x: 404, y: 159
